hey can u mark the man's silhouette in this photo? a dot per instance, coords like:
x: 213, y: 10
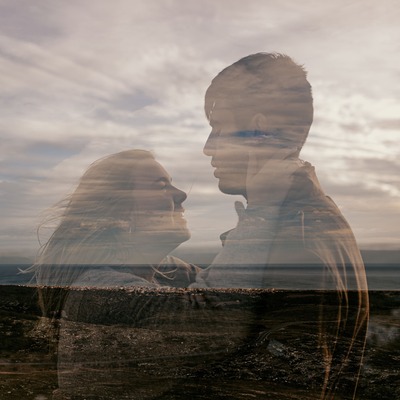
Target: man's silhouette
x: 260, y: 110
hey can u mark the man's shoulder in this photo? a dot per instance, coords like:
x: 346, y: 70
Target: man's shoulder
x: 313, y: 233
x: 316, y: 215
x: 324, y: 220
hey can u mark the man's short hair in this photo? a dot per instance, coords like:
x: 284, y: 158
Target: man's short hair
x: 271, y: 84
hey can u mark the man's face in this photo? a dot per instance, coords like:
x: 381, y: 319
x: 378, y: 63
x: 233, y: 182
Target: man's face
x: 228, y: 153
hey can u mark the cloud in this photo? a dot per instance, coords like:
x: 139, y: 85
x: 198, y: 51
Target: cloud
x: 24, y: 20
x: 130, y: 74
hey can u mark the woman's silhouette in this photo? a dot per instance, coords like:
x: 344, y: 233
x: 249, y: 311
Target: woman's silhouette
x: 115, y: 230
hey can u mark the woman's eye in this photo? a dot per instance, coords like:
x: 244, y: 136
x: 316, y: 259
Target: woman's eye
x: 161, y: 185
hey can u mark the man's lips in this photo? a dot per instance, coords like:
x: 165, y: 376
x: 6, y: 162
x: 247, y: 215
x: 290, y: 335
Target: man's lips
x: 224, y: 167
x: 221, y: 171
x: 215, y: 164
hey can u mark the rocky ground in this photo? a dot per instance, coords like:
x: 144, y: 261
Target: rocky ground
x: 175, y: 344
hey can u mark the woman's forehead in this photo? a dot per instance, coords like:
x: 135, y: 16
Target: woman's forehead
x: 150, y: 170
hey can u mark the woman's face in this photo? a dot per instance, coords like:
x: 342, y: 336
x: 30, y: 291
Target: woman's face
x: 158, y: 210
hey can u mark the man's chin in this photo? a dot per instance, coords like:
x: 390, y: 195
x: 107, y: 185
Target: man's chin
x: 231, y: 188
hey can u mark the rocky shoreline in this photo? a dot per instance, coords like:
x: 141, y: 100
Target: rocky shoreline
x: 180, y: 343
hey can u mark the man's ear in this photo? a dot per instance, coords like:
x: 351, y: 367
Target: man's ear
x: 260, y: 122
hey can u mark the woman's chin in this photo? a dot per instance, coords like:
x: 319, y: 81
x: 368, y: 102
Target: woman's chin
x: 176, y: 236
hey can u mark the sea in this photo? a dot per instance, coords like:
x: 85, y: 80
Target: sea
x: 291, y: 277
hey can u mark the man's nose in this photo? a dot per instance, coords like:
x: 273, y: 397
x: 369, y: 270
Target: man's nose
x: 210, y: 146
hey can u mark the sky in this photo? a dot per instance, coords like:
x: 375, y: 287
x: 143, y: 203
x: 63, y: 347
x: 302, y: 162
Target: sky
x: 86, y: 78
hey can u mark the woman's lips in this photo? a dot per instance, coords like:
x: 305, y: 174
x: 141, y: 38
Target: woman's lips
x: 179, y: 214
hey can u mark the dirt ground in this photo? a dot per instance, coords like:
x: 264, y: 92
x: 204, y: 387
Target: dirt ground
x: 122, y: 344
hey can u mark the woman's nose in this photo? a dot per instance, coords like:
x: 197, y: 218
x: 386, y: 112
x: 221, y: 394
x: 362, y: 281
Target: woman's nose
x: 179, y: 196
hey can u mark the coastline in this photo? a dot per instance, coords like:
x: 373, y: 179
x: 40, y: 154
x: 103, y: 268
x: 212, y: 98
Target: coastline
x: 173, y: 343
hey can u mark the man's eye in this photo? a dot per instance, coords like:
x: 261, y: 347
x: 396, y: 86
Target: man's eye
x: 215, y: 132
x: 255, y: 134
x: 249, y: 134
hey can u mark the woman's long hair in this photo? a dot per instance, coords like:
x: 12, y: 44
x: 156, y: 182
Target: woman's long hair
x: 91, y: 222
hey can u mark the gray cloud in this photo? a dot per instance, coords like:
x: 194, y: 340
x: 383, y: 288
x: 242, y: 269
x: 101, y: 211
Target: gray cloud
x: 79, y: 85
x: 24, y: 20
x: 389, y: 124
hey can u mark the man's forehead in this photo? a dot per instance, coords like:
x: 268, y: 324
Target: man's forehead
x: 227, y: 112
x: 220, y: 109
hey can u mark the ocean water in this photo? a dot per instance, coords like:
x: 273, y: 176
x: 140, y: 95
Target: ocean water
x: 299, y: 277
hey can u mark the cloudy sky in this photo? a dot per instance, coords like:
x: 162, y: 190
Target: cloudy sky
x: 85, y: 78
